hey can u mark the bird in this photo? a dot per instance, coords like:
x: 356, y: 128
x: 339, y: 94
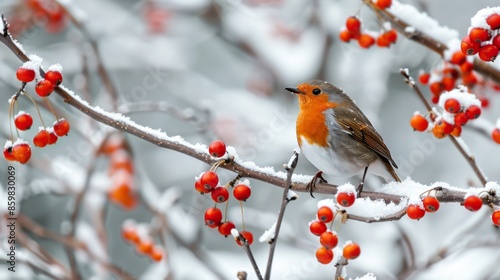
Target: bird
x: 336, y: 137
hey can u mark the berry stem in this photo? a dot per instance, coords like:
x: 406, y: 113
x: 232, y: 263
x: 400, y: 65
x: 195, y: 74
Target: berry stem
x: 51, y: 109
x: 37, y: 108
x: 242, y: 216
x: 216, y: 165
x: 225, y: 210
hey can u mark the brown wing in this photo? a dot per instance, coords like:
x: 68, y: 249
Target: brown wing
x: 366, y: 134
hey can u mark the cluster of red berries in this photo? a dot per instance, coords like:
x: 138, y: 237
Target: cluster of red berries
x: 459, y: 107
x: 353, y: 31
x: 208, y: 182
x: 138, y: 236
x: 20, y: 150
x: 483, y: 38
x: 121, y: 171
x: 51, y: 11
x: 328, y: 238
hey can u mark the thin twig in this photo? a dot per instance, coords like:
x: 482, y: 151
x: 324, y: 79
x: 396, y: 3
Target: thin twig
x: 248, y: 251
x: 471, y: 160
x: 339, y: 267
x: 284, y: 203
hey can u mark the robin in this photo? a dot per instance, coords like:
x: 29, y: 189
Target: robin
x: 336, y: 137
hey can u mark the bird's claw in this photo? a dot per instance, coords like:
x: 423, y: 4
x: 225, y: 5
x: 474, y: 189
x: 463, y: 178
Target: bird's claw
x: 312, y: 184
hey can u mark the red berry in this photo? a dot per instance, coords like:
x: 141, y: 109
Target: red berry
x: 353, y: 24
x: 493, y: 21
x: 220, y: 194
x: 391, y: 35
x: 55, y: 77
x: 324, y: 256
x: 248, y: 236
x: 242, y: 192
x: 61, y: 127
x: 199, y: 187
x: 382, y: 42
x: 485, y: 101
x: 419, y: 123
x: 436, y: 88
x: 156, y: 254
x: 488, y: 52
x: 346, y: 199
x: 25, y: 75
x: 130, y: 234
x: 365, y: 41
x: 424, y: 78
x: 473, y: 112
x: 445, y: 127
x: 448, y: 83
x: 383, y: 4
x: 458, y: 58
x: 469, y: 47
x: 329, y: 239
x: 479, y: 35
x: 461, y: 118
x: 351, y: 251
x: 22, y: 152
x: 452, y: 105
x: 496, y: 41
x: 7, y: 153
x: 213, y: 217
x: 145, y: 247
x: 209, y: 180
x: 44, y: 88
x: 431, y: 204
x: 345, y: 35
x: 457, y: 130
x: 41, y: 139
x: 325, y: 214
x: 226, y: 227
x: 495, y: 135
x: 52, y: 136
x: 435, y: 99
x: 415, y: 212
x: 473, y: 203
x: 217, y: 148
x: 23, y: 121
x: 495, y: 217
x: 317, y: 227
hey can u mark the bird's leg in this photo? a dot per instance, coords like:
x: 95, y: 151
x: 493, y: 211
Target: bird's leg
x: 314, y: 181
x: 359, y: 189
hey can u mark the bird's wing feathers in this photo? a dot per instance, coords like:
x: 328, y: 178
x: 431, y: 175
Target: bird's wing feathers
x: 364, y: 132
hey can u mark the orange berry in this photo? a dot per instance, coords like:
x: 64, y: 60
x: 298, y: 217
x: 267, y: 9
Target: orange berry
x: 383, y: 42
x: 415, y: 212
x: 495, y: 135
x: 458, y: 58
x: 23, y: 121
x: 345, y: 35
x: 346, y: 199
x: 366, y: 40
x: 41, y: 139
x: 353, y: 24
x: 55, y: 77
x: 437, y: 131
x: 391, y: 35
x: 493, y: 21
x: 383, y: 4
x: 424, y: 78
x: 156, y: 254
x: 325, y: 214
x: 121, y: 160
x: 479, y: 35
x: 324, y: 256
x: 61, y: 127
x: 351, y: 251
x: 419, y: 122
x: 448, y: 83
x: 130, y: 234
x: 495, y: 217
x: 473, y: 203
x: 431, y: 204
x: 145, y: 247
x: 7, y: 153
x: 469, y: 47
x: 242, y: 192
x: 436, y: 88
x: 452, y: 105
x: 467, y: 67
x: 457, y: 131
x: 317, y: 227
x: 488, y: 52
x: 328, y: 239
x: 248, y: 236
x: 22, y: 152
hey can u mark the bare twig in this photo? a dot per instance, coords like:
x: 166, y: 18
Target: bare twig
x: 284, y: 203
x: 339, y: 267
x: 248, y: 251
x: 471, y: 160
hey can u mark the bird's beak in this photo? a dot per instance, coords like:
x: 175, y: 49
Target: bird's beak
x: 294, y: 90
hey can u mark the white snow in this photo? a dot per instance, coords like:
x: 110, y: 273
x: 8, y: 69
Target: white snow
x: 464, y: 146
x: 375, y: 209
x: 291, y: 195
x: 423, y: 22
x: 466, y: 99
x: 453, y: 46
x: 328, y: 202
x: 494, y: 186
x: 235, y: 233
x: 448, y: 117
x: 479, y: 20
x: 347, y: 188
x: 55, y: 67
x: 497, y: 124
x: 8, y: 144
x: 19, y: 141
x: 368, y: 276
x: 21, y: 113
x: 269, y: 234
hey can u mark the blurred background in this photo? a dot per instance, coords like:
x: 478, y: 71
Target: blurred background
x: 210, y: 70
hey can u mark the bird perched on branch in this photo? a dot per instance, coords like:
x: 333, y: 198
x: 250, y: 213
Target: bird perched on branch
x: 336, y: 137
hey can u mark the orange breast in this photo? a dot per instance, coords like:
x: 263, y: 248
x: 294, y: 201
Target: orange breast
x: 311, y: 123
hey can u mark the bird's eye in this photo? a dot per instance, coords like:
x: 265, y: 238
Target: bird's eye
x: 316, y: 91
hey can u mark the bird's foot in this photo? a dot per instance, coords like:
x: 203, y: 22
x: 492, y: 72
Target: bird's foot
x: 359, y: 189
x: 312, y: 184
